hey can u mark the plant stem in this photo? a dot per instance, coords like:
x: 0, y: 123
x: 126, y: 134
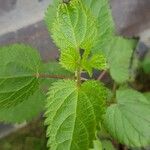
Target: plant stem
x: 78, y: 77
x: 114, y: 89
x: 78, y: 72
x: 114, y: 92
x: 102, y: 75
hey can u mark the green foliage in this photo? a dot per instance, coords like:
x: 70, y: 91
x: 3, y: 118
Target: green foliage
x: 74, y: 27
x: 118, y: 50
x: 146, y: 63
x: 119, y: 58
x: 19, y: 66
x: 107, y: 145
x: 147, y: 95
x: 50, y: 14
x: 24, y: 111
x: 97, y: 61
x: 84, y: 32
x: 128, y: 121
x: 54, y: 69
x: 101, y: 10
x: 70, y: 59
x: 30, y: 137
x: 97, y: 145
x: 72, y: 114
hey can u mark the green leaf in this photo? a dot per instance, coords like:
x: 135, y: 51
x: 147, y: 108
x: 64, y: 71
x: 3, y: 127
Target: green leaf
x: 107, y: 145
x: 70, y: 59
x: 101, y: 10
x: 19, y: 66
x: 97, y: 145
x: 74, y: 27
x: 97, y: 61
x: 53, y: 69
x: 72, y: 114
x: 50, y: 14
x: 119, y: 58
x: 147, y: 95
x: 118, y: 50
x: 97, y: 93
x: 146, y: 63
x: 24, y: 111
x: 128, y: 121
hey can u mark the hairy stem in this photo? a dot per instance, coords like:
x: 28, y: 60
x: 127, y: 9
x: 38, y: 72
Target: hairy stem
x: 115, y: 86
x: 78, y: 72
x: 78, y: 77
x: 102, y: 75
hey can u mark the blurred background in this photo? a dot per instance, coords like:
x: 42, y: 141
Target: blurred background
x: 22, y: 21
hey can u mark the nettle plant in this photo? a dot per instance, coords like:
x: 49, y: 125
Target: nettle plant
x: 78, y: 111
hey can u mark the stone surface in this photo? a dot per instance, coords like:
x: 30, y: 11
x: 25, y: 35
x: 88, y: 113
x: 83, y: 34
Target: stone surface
x: 35, y: 35
x: 132, y: 17
x: 25, y: 24
x: 7, y: 5
x: 26, y: 12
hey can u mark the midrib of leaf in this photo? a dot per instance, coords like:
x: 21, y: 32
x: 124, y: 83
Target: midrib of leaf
x: 80, y: 119
x: 74, y: 131
x: 73, y: 28
x: 128, y: 121
x: 67, y: 38
x: 16, y: 76
x: 18, y: 88
x: 56, y: 94
x: 74, y: 125
x: 123, y: 123
x: 132, y: 112
x: 53, y: 100
x: 85, y: 24
x: 114, y: 122
x: 131, y: 124
x: 34, y: 83
x: 30, y: 87
x: 67, y: 116
x: 22, y: 64
x: 15, y: 92
x: 27, y: 67
x: 91, y: 106
x: 76, y: 107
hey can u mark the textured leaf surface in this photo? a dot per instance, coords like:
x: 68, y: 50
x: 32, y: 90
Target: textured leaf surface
x: 24, y: 111
x: 147, y: 95
x: 74, y: 27
x: 119, y: 58
x: 146, y: 63
x: 54, y: 69
x: 107, y: 145
x: 97, y: 145
x: 19, y: 65
x: 128, y: 121
x: 101, y: 10
x: 117, y: 50
x: 70, y: 59
x: 50, y: 14
x: 97, y: 61
x: 72, y: 115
